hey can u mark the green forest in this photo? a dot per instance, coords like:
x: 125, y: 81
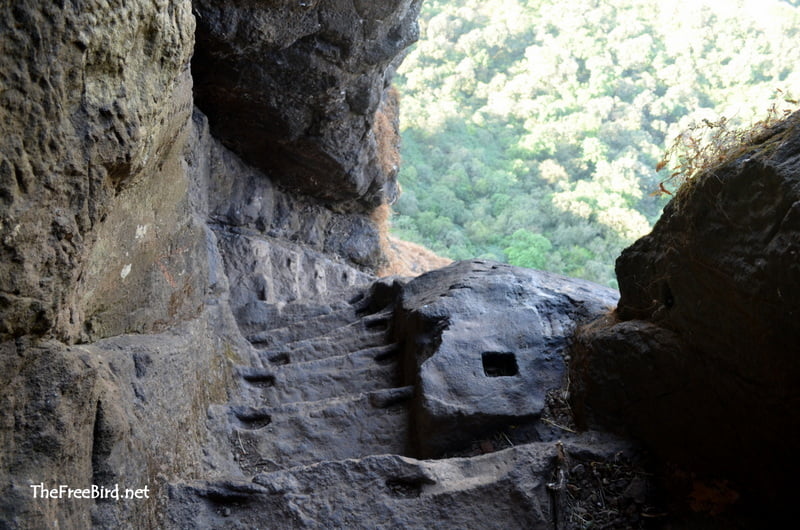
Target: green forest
x: 531, y: 130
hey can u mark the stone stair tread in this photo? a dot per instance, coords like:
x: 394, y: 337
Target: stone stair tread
x: 350, y: 426
x: 263, y: 315
x: 333, y: 384
x: 375, y: 399
x: 260, y: 315
x: 348, y: 322
x: 321, y: 347
x: 382, y: 491
x: 305, y: 328
x: 364, y: 370
x: 373, y: 354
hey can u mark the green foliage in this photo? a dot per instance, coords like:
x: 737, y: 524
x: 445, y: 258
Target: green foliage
x: 547, y: 118
x: 527, y: 249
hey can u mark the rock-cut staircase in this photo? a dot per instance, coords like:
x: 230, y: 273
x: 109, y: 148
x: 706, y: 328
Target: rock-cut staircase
x: 325, y: 387
x: 317, y: 436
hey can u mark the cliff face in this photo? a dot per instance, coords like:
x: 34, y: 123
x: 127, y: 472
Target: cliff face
x: 93, y: 99
x: 122, y: 215
x: 101, y: 199
x: 188, y: 300
x: 293, y: 87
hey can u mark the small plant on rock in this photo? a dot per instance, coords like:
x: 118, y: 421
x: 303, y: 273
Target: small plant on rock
x: 708, y: 144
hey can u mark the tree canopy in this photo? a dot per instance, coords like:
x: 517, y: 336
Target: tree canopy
x: 531, y: 129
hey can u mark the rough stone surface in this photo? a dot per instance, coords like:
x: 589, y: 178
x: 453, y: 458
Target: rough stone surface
x: 92, y: 99
x: 265, y: 273
x: 485, y: 343
x: 385, y: 491
x: 122, y: 220
x: 148, y: 266
x: 316, y: 72
x: 504, y: 489
x: 175, y: 315
x: 241, y: 199
x: 128, y: 410
x: 332, y: 393
x: 701, y: 358
x: 322, y: 407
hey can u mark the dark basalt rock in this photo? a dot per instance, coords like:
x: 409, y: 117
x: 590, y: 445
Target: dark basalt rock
x: 484, y: 344
x: 122, y: 221
x: 91, y: 99
x: 701, y: 360
x: 293, y: 87
x: 382, y: 491
x: 173, y: 317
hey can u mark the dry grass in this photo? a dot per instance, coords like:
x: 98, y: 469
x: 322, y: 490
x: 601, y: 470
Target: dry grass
x: 387, y: 133
x: 403, y: 258
x: 410, y: 259
x: 707, y: 145
x: 400, y: 257
x: 380, y: 216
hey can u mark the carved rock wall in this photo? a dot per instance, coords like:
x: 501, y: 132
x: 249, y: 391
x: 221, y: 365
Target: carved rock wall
x: 121, y: 221
x: 484, y: 343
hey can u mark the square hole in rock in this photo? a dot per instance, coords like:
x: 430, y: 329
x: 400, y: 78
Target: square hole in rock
x: 499, y: 364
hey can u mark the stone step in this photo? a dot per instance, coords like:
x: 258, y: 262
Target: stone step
x: 333, y: 326
x: 343, y: 341
x: 259, y: 315
x: 361, y: 371
x: 304, y: 328
x: 382, y: 491
x: 352, y: 426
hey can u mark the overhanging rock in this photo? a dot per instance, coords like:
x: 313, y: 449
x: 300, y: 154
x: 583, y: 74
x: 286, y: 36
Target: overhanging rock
x: 293, y: 88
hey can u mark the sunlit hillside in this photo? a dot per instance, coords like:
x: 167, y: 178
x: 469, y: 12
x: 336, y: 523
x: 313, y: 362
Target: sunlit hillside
x: 531, y: 129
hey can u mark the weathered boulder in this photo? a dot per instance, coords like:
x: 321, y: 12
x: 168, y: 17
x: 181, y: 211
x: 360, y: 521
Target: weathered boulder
x: 91, y: 98
x: 701, y: 359
x: 293, y: 88
x: 484, y: 343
